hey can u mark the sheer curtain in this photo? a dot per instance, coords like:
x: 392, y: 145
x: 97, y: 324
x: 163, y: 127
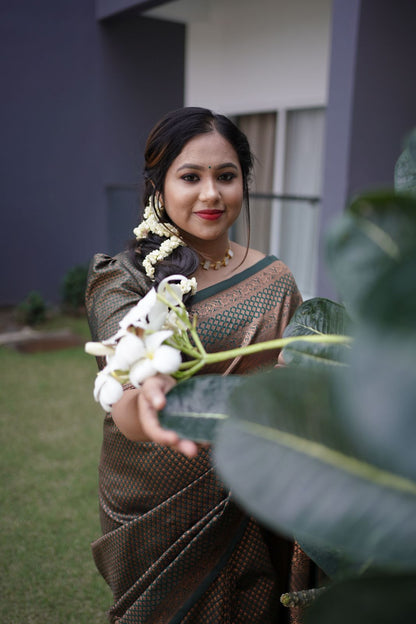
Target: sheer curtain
x: 260, y: 130
x: 299, y: 231
x: 289, y: 228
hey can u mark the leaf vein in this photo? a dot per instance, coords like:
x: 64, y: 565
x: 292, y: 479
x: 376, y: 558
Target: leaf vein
x: 213, y: 415
x: 349, y: 464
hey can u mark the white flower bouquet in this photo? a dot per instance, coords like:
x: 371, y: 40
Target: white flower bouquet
x: 152, y: 337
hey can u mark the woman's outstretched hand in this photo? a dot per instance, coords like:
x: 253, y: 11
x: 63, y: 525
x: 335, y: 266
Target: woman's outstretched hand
x: 136, y: 415
x: 152, y: 398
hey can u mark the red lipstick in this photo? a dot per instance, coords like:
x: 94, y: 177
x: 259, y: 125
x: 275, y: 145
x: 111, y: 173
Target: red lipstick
x: 210, y: 215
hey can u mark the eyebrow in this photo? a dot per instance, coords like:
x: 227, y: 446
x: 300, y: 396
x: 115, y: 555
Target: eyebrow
x: 200, y: 168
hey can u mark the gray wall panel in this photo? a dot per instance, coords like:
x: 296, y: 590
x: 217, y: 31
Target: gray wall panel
x: 371, y: 104
x: 78, y: 101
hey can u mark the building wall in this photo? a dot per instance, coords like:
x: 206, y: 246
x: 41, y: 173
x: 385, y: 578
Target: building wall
x: 371, y: 106
x: 49, y: 127
x: 245, y: 56
x: 78, y: 99
x: 138, y: 86
x: 384, y: 106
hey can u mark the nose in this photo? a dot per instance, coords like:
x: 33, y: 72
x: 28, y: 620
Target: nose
x: 209, y: 192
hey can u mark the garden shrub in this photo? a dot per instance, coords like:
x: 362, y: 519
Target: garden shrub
x: 73, y: 288
x: 32, y: 310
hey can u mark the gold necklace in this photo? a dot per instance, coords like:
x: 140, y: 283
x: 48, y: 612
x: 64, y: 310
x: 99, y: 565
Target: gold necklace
x: 207, y: 264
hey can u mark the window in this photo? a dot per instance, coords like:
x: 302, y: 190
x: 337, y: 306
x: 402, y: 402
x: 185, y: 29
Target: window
x: 288, y: 145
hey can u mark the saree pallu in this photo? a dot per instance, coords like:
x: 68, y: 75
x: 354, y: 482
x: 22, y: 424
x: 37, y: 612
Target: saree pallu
x: 175, y: 546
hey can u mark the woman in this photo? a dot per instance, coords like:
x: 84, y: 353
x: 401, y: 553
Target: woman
x: 175, y: 547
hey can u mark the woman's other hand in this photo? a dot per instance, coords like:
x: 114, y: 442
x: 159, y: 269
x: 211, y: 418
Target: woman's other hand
x: 280, y: 360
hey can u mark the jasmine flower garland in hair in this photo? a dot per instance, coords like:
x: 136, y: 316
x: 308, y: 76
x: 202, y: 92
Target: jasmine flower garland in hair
x: 157, y: 255
x: 149, y: 224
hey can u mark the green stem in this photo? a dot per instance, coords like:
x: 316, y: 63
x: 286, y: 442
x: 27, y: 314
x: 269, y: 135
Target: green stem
x: 185, y: 374
x: 197, y: 340
x: 201, y: 357
x: 190, y: 367
x: 184, y: 318
x: 188, y: 350
x: 185, y: 365
x: 278, y: 343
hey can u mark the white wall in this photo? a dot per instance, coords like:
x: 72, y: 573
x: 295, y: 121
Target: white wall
x: 244, y: 56
x: 259, y: 55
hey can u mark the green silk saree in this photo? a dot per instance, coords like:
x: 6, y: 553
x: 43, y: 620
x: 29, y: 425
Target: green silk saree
x: 175, y: 547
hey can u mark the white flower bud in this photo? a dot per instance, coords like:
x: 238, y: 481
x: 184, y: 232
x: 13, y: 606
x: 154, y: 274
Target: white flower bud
x: 98, y: 349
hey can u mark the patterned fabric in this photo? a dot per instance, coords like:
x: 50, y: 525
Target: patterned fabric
x: 175, y: 547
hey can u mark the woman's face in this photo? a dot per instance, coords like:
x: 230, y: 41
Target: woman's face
x: 203, y: 191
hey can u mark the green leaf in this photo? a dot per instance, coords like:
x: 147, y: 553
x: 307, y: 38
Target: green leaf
x: 375, y: 234
x: 331, y: 560
x: 405, y: 169
x: 377, y: 401
x: 393, y: 296
x: 373, y: 600
x: 196, y: 406
x: 317, y: 316
x: 296, y: 460
x: 315, y: 354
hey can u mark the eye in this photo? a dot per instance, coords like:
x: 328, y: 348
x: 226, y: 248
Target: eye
x: 190, y: 177
x: 227, y: 176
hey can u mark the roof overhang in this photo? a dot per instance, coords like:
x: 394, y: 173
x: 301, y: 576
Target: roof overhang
x: 109, y: 8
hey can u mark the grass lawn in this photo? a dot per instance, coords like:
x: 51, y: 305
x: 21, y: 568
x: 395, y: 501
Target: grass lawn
x: 50, y: 432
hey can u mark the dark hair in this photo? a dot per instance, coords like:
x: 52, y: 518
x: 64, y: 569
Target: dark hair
x: 164, y: 144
